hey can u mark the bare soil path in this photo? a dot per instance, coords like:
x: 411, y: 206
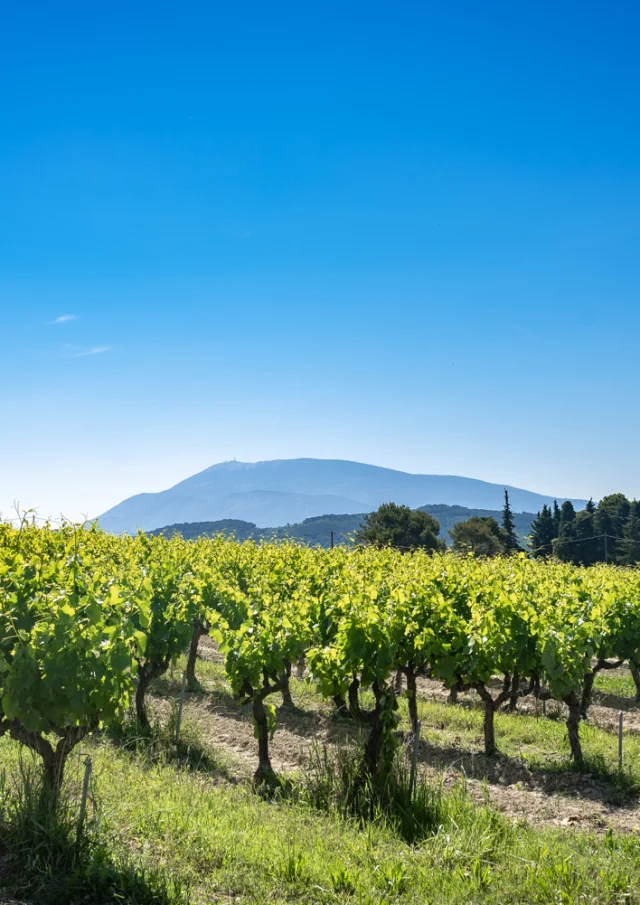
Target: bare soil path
x: 566, y: 799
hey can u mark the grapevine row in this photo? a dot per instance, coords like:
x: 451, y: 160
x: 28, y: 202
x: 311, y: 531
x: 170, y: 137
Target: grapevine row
x: 88, y: 620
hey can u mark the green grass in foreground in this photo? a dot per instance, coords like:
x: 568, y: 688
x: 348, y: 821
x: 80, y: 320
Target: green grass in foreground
x: 224, y: 842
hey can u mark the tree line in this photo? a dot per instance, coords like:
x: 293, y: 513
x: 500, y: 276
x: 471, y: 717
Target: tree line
x: 608, y: 532
x: 409, y: 529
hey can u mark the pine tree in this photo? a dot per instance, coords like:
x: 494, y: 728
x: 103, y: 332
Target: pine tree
x: 509, y: 536
x: 543, y: 533
x: 567, y: 513
x: 564, y: 546
x: 591, y: 506
x: 588, y: 548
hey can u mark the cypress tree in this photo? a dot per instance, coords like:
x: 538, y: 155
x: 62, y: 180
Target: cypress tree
x: 588, y: 549
x: 509, y: 536
x: 567, y: 513
x: 556, y: 518
x: 564, y: 545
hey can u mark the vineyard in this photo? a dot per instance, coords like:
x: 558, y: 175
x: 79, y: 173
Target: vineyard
x: 91, y: 621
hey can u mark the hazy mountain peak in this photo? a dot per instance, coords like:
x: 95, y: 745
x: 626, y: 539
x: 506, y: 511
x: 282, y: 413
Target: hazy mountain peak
x: 281, y: 491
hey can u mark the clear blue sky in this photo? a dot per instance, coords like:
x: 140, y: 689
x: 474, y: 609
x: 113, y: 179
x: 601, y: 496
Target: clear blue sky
x: 405, y: 234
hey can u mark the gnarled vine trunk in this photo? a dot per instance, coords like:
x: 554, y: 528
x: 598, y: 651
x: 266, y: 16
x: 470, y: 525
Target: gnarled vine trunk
x: 635, y: 672
x: 589, y: 679
x: 198, y: 631
x: 380, y: 745
x: 341, y: 705
x: 573, y: 726
x: 265, y: 770
x: 489, y: 727
x: 53, y: 759
x: 256, y: 697
x: 515, y: 692
x: 287, y: 700
x: 354, y: 700
x: 146, y: 673
x: 587, y: 693
x: 374, y: 740
x: 144, y: 680
x: 490, y: 707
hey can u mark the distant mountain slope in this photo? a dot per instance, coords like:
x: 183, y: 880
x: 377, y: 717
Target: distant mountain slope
x: 316, y: 532
x: 291, y: 490
x: 448, y: 516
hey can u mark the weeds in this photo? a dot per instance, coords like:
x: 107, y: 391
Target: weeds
x: 49, y: 862
x: 335, y: 782
x: 164, y: 812
x: 157, y: 744
x: 223, y: 842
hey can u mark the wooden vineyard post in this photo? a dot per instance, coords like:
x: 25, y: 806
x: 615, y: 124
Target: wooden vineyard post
x: 88, y: 766
x: 414, y: 759
x: 620, y: 722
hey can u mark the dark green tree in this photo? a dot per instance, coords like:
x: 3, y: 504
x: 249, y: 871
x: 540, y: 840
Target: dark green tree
x: 587, y: 548
x: 564, y: 544
x: 629, y: 548
x: 478, y: 535
x: 399, y: 526
x: 556, y: 517
x: 543, y: 534
x: 613, y: 512
x: 611, y: 520
x: 567, y: 514
x: 509, y: 536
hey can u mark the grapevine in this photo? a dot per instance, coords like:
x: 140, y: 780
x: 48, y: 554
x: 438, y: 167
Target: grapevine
x: 89, y: 620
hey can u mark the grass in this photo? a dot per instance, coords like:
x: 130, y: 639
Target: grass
x: 172, y: 823
x: 158, y: 744
x: 617, y: 682
x: 539, y: 744
x: 46, y: 857
x: 224, y: 842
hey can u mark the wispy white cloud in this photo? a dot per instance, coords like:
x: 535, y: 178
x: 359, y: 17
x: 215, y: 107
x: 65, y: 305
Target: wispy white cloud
x: 91, y: 350
x: 64, y: 319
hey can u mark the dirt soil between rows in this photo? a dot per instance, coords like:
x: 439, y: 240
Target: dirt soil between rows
x: 557, y: 799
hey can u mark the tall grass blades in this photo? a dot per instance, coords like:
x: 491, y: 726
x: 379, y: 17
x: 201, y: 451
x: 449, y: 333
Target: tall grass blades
x: 46, y: 860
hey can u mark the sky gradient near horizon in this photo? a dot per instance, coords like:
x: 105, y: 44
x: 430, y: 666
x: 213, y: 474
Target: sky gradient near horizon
x: 405, y: 235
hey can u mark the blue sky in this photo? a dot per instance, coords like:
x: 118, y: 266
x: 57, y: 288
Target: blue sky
x: 403, y: 234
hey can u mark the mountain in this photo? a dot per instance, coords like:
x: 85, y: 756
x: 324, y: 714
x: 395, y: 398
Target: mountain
x: 316, y: 532
x: 291, y: 490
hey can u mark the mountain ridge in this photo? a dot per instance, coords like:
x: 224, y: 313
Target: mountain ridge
x: 281, y: 491
x: 318, y: 530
